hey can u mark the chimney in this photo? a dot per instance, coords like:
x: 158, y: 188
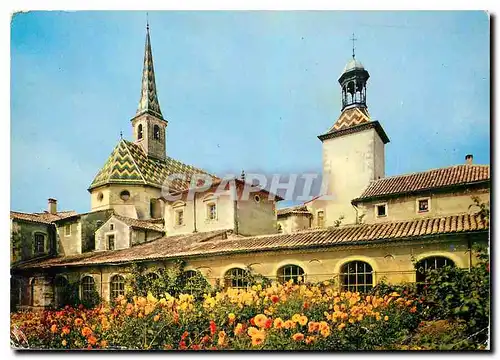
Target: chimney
x: 468, y: 159
x: 52, y: 206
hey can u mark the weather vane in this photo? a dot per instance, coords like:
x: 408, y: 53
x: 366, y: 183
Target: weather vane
x: 121, y: 135
x: 147, y: 20
x: 353, y: 47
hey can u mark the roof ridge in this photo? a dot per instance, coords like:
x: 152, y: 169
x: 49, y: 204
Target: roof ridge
x: 429, y: 170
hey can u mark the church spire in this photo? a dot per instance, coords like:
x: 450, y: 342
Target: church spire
x: 149, y: 98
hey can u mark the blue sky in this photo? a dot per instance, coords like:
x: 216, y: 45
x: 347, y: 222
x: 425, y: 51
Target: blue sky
x: 241, y: 90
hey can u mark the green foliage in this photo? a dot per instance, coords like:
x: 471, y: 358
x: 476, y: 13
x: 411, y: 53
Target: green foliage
x: 460, y: 294
x: 160, y: 281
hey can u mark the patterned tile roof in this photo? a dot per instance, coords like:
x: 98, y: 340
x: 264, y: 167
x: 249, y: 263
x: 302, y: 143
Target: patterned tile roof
x: 298, y: 210
x: 426, y: 180
x: 44, y: 217
x: 129, y: 164
x: 217, y: 243
x: 152, y: 224
x: 351, y: 117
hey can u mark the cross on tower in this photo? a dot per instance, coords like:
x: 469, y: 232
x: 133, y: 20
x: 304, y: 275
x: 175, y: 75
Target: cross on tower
x: 353, y: 47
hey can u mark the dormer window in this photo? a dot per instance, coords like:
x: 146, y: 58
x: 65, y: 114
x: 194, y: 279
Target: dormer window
x: 211, y: 211
x: 156, y: 132
x: 67, y: 230
x: 423, y: 205
x: 139, y: 132
x: 381, y: 210
x: 179, y: 217
x: 111, y: 242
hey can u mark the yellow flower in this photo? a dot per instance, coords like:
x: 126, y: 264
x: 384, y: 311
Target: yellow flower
x: 64, y: 343
x: 325, y: 332
x: 341, y: 326
x: 260, y: 320
x: 258, y: 338
x: 252, y: 331
x: 310, y: 340
x: 303, y: 320
x: 289, y: 324
x: 231, y: 317
x: 156, y: 318
x: 222, y: 338
x: 386, y: 318
x: 298, y: 337
x: 296, y: 318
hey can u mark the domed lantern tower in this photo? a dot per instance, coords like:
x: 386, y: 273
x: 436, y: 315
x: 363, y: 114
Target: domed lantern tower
x: 353, y: 83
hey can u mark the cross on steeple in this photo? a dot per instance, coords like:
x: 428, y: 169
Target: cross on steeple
x: 353, y: 46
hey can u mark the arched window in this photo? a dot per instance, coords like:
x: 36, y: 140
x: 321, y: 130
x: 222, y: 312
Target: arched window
x: 236, y: 278
x: 61, y: 289
x: 88, y: 288
x: 156, y: 132
x: 291, y: 272
x: 430, y: 263
x: 139, y: 132
x: 188, y: 275
x: 117, y: 287
x: 356, y: 276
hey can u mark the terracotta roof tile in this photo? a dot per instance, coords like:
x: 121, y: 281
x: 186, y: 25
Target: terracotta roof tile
x: 299, y: 210
x: 152, y: 224
x: 45, y: 217
x: 217, y: 242
x: 427, y: 180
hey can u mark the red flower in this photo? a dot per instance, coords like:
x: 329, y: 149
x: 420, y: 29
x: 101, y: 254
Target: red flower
x: 185, y: 335
x: 275, y: 298
x: 80, y: 306
x: 306, y: 305
x: 213, y: 327
x: 252, y: 322
x: 205, y: 339
x: 269, y: 323
x: 195, y: 347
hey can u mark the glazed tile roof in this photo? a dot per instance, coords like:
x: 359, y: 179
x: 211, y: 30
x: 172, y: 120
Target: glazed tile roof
x: 427, y: 180
x: 298, y: 210
x: 152, y: 224
x: 129, y: 164
x: 44, y: 217
x: 217, y: 243
x: 351, y: 120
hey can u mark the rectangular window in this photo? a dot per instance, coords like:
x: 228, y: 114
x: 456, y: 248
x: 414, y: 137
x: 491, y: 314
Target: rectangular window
x: 321, y: 218
x: 212, y: 211
x: 111, y: 226
x: 423, y: 205
x: 111, y: 242
x: 39, y: 243
x: 179, y: 217
x: 381, y: 210
x: 67, y: 230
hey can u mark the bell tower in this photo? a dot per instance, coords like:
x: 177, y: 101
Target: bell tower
x: 353, y: 148
x: 149, y: 126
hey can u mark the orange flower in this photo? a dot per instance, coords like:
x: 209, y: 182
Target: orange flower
x: 278, y: 323
x: 104, y: 343
x: 310, y: 339
x: 413, y: 309
x: 156, y: 318
x: 86, y: 331
x: 78, y: 322
x: 325, y: 332
x: 53, y: 328
x: 260, y: 320
x: 289, y: 324
x: 92, y: 340
x: 65, y: 330
x: 222, y: 338
x: 275, y: 298
x: 238, y: 330
x: 313, y: 326
x: 298, y: 337
x: 303, y: 320
x: 341, y: 326
x: 258, y: 338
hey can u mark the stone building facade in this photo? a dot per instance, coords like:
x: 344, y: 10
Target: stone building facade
x: 369, y: 228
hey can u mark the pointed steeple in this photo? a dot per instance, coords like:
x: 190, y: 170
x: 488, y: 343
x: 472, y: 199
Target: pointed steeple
x: 149, y: 98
